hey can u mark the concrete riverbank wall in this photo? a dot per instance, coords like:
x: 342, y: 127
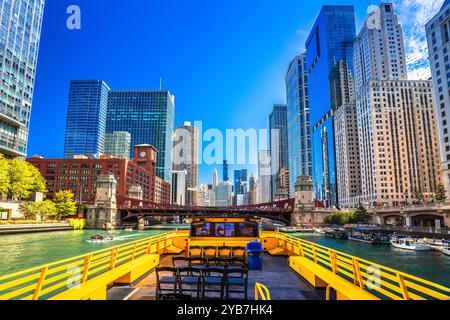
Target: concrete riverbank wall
x: 33, y: 228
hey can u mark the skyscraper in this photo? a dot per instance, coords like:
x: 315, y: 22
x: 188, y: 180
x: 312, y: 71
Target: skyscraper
x: 223, y: 194
x: 225, y: 171
x: 215, y: 180
x: 298, y: 125
x: 438, y: 35
x: 348, y: 175
x: 185, y: 157
x: 265, y: 173
x: 331, y: 39
x: 86, y: 118
x: 179, y: 187
x: 397, y: 127
x: 118, y: 144
x: 240, y: 179
x: 149, y: 117
x: 21, y: 23
x: 278, y: 145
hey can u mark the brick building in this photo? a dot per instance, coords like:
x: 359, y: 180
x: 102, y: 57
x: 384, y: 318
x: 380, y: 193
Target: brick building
x: 80, y: 175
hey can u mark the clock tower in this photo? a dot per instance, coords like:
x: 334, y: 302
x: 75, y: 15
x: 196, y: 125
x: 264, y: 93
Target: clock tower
x: 145, y: 156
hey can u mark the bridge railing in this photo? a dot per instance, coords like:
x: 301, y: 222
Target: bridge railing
x: 382, y: 282
x: 51, y: 279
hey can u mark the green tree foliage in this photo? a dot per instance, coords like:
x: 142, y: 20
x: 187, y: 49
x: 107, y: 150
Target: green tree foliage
x: 28, y: 209
x: 4, y: 177
x: 440, y: 193
x: 65, y: 206
x: 19, y: 179
x: 46, y: 209
x: 360, y: 216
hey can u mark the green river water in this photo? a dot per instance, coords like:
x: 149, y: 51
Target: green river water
x: 20, y: 252
x: 429, y: 265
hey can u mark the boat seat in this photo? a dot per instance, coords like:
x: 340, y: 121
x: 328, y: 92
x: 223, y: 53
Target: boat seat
x: 343, y: 287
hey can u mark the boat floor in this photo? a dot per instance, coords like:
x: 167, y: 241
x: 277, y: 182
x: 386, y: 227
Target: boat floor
x: 283, y: 283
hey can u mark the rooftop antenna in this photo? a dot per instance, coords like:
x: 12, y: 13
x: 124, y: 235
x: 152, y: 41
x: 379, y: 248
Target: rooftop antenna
x: 160, y: 83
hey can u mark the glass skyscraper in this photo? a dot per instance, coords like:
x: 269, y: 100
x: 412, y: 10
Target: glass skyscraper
x: 330, y: 40
x: 118, y: 144
x: 20, y: 32
x: 298, y: 124
x: 278, y: 144
x: 86, y: 118
x: 149, y: 117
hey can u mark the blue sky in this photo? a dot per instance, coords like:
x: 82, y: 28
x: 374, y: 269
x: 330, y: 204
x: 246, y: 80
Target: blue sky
x: 224, y: 60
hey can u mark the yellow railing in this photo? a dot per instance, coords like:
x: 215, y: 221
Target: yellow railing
x: 381, y: 281
x: 261, y: 292
x: 49, y: 280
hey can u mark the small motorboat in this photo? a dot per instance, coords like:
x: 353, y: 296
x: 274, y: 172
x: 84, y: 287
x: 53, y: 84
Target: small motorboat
x: 319, y: 230
x: 361, y: 237
x: 408, y: 243
x: 101, y: 238
x: 446, y: 247
x: 128, y: 230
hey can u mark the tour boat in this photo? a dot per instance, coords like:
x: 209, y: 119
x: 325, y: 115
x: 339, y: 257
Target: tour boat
x: 336, y: 233
x: 296, y: 230
x: 408, y: 243
x: 361, y: 237
x: 446, y: 248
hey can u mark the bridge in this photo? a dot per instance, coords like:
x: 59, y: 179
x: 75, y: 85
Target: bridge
x: 133, y: 209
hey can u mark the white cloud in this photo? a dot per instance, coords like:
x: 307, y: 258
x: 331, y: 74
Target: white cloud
x: 413, y: 16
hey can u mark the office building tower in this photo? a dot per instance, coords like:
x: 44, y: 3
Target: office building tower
x: 278, y: 145
x: 215, y: 178
x: 331, y: 40
x: 298, y: 124
x: 438, y: 36
x: 185, y: 157
x: 345, y: 135
x: 265, y: 174
x: 19, y: 47
x: 118, y: 144
x: 223, y: 194
x: 86, y: 118
x: 149, y: 117
x: 225, y: 171
x: 397, y: 126
x: 179, y: 187
x: 240, y: 179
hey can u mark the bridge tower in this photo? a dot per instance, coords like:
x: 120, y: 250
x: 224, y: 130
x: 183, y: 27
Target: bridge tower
x: 304, y: 211
x: 103, y: 214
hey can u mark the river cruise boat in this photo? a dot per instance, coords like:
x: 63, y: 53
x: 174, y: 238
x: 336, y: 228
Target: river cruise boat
x: 336, y: 233
x: 296, y: 230
x: 408, y: 243
x: 369, y: 236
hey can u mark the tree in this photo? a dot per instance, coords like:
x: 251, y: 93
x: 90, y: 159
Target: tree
x: 46, y: 209
x: 338, y: 218
x: 28, y: 209
x: 4, y: 177
x: 24, y: 179
x: 419, y: 196
x: 440, y: 193
x: 360, y: 216
x: 64, y: 204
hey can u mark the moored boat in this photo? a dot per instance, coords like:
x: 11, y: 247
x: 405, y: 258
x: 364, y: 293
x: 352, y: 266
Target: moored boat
x: 101, y: 238
x: 408, y: 243
x: 336, y: 233
x: 446, y: 247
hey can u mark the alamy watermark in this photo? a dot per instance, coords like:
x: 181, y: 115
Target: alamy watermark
x: 73, y: 21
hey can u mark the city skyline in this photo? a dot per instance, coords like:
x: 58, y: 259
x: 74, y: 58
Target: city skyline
x: 290, y: 37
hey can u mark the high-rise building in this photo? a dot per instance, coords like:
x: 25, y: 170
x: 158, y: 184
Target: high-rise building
x: 223, y: 194
x: 118, y: 144
x: 215, y: 178
x: 331, y: 39
x: 86, y: 118
x: 265, y: 174
x: 185, y: 157
x: 179, y: 187
x: 240, y: 178
x: 21, y: 23
x: 149, y: 117
x: 278, y: 145
x: 438, y: 35
x: 397, y: 127
x: 345, y: 135
x: 225, y: 171
x: 298, y: 124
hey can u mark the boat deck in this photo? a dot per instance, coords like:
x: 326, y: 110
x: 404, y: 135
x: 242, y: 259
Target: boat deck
x: 283, y: 283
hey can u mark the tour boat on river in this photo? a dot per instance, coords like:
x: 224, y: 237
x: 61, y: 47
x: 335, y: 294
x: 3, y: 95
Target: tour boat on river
x: 446, y: 248
x: 408, y: 243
